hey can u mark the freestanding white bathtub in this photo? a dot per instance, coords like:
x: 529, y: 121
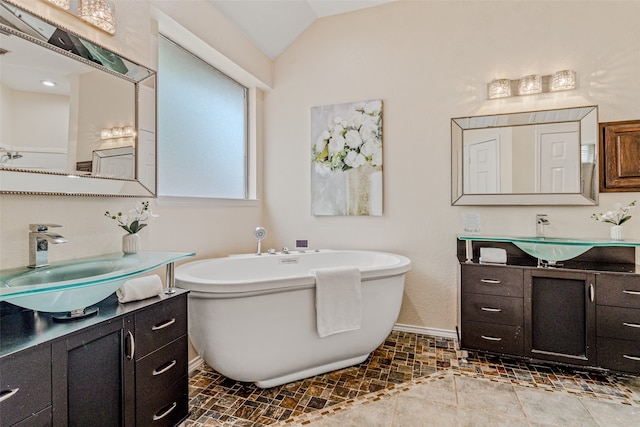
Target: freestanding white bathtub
x: 253, y: 318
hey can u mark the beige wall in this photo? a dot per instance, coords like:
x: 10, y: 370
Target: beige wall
x: 428, y: 61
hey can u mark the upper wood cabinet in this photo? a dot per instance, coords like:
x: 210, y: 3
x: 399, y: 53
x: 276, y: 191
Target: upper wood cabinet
x: 620, y: 156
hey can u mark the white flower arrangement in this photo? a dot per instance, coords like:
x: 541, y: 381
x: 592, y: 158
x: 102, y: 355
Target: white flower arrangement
x: 618, y: 216
x: 133, y: 222
x: 352, y: 142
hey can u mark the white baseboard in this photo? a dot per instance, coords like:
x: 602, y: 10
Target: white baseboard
x: 194, y: 363
x: 444, y: 333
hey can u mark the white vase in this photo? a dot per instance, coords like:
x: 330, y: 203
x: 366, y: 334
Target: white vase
x: 130, y: 243
x: 616, y: 232
x: 364, y: 191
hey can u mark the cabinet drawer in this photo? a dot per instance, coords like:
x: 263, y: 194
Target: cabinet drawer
x: 618, y: 290
x: 491, y: 280
x: 167, y: 408
x: 161, y: 324
x: 490, y: 337
x: 25, y: 384
x: 618, y: 322
x: 492, y: 309
x: 161, y: 368
x: 620, y: 355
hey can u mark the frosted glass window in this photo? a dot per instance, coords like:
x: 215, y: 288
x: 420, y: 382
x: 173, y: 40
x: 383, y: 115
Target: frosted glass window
x: 202, y: 128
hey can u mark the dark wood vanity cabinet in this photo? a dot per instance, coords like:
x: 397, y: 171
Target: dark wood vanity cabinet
x: 586, y: 318
x: 492, y: 308
x: 618, y: 321
x: 25, y: 387
x: 95, y: 368
x: 162, y: 384
x: 559, y: 315
x: 127, y: 366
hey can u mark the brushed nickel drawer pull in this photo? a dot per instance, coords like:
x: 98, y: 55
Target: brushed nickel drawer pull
x: 4, y: 395
x: 163, y: 414
x: 631, y: 325
x: 164, y: 324
x: 492, y: 310
x: 591, y: 292
x: 631, y: 292
x: 490, y: 338
x: 164, y: 368
x: 132, y: 346
x: 626, y: 356
x: 491, y: 281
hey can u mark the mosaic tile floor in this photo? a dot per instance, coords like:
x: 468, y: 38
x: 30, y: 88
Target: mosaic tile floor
x: 403, y: 362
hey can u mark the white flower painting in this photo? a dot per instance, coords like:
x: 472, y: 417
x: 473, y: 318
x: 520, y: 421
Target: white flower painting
x: 346, y: 159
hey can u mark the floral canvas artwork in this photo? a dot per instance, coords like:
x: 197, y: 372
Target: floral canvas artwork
x: 346, y: 159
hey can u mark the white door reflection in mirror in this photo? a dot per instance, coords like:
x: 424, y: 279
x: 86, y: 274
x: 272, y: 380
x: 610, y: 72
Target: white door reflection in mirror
x: 487, y: 161
x: 558, y: 147
x: 484, y: 167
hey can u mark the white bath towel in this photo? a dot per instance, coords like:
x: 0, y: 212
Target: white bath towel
x: 139, y: 288
x: 493, y: 255
x: 338, y: 300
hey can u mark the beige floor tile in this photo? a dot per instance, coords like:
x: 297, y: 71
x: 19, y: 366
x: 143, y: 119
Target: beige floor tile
x: 475, y: 418
x: 416, y: 412
x: 441, y: 391
x: 485, y: 395
x: 554, y: 408
x: 374, y: 414
x: 612, y: 414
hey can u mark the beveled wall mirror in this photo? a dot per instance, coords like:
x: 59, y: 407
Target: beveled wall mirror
x: 531, y: 158
x: 75, y: 118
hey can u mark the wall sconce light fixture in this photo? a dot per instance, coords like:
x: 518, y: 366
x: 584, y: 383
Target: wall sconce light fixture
x: 100, y: 13
x: 529, y: 85
x: 532, y: 84
x: 117, y: 132
x: 563, y: 80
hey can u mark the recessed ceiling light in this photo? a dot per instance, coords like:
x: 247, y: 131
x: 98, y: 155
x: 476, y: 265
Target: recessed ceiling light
x: 48, y: 83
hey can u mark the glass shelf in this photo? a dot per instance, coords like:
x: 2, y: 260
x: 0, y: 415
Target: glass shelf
x: 80, y: 282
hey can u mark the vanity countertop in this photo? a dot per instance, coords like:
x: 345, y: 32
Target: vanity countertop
x: 27, y: 328
x: 565, y: 241
x: 603, y: 258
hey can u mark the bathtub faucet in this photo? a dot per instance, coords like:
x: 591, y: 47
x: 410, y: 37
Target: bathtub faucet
x: 259, y: 233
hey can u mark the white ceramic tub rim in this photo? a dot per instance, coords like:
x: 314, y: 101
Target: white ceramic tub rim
x: 211, y: 288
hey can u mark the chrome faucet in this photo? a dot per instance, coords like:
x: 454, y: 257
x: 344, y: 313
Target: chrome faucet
x: 259, y: 233
x: 39, y: 238
x: 541, y: 221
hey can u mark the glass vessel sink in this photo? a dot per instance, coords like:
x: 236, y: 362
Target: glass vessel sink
x: 552, y: 251
x: 76, y: 284
x: 551, y: 248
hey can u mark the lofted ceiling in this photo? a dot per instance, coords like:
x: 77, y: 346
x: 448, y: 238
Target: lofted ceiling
x: 273, y: 24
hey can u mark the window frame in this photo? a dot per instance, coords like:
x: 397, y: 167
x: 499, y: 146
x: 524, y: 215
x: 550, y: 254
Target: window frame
x: 181, y: 36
